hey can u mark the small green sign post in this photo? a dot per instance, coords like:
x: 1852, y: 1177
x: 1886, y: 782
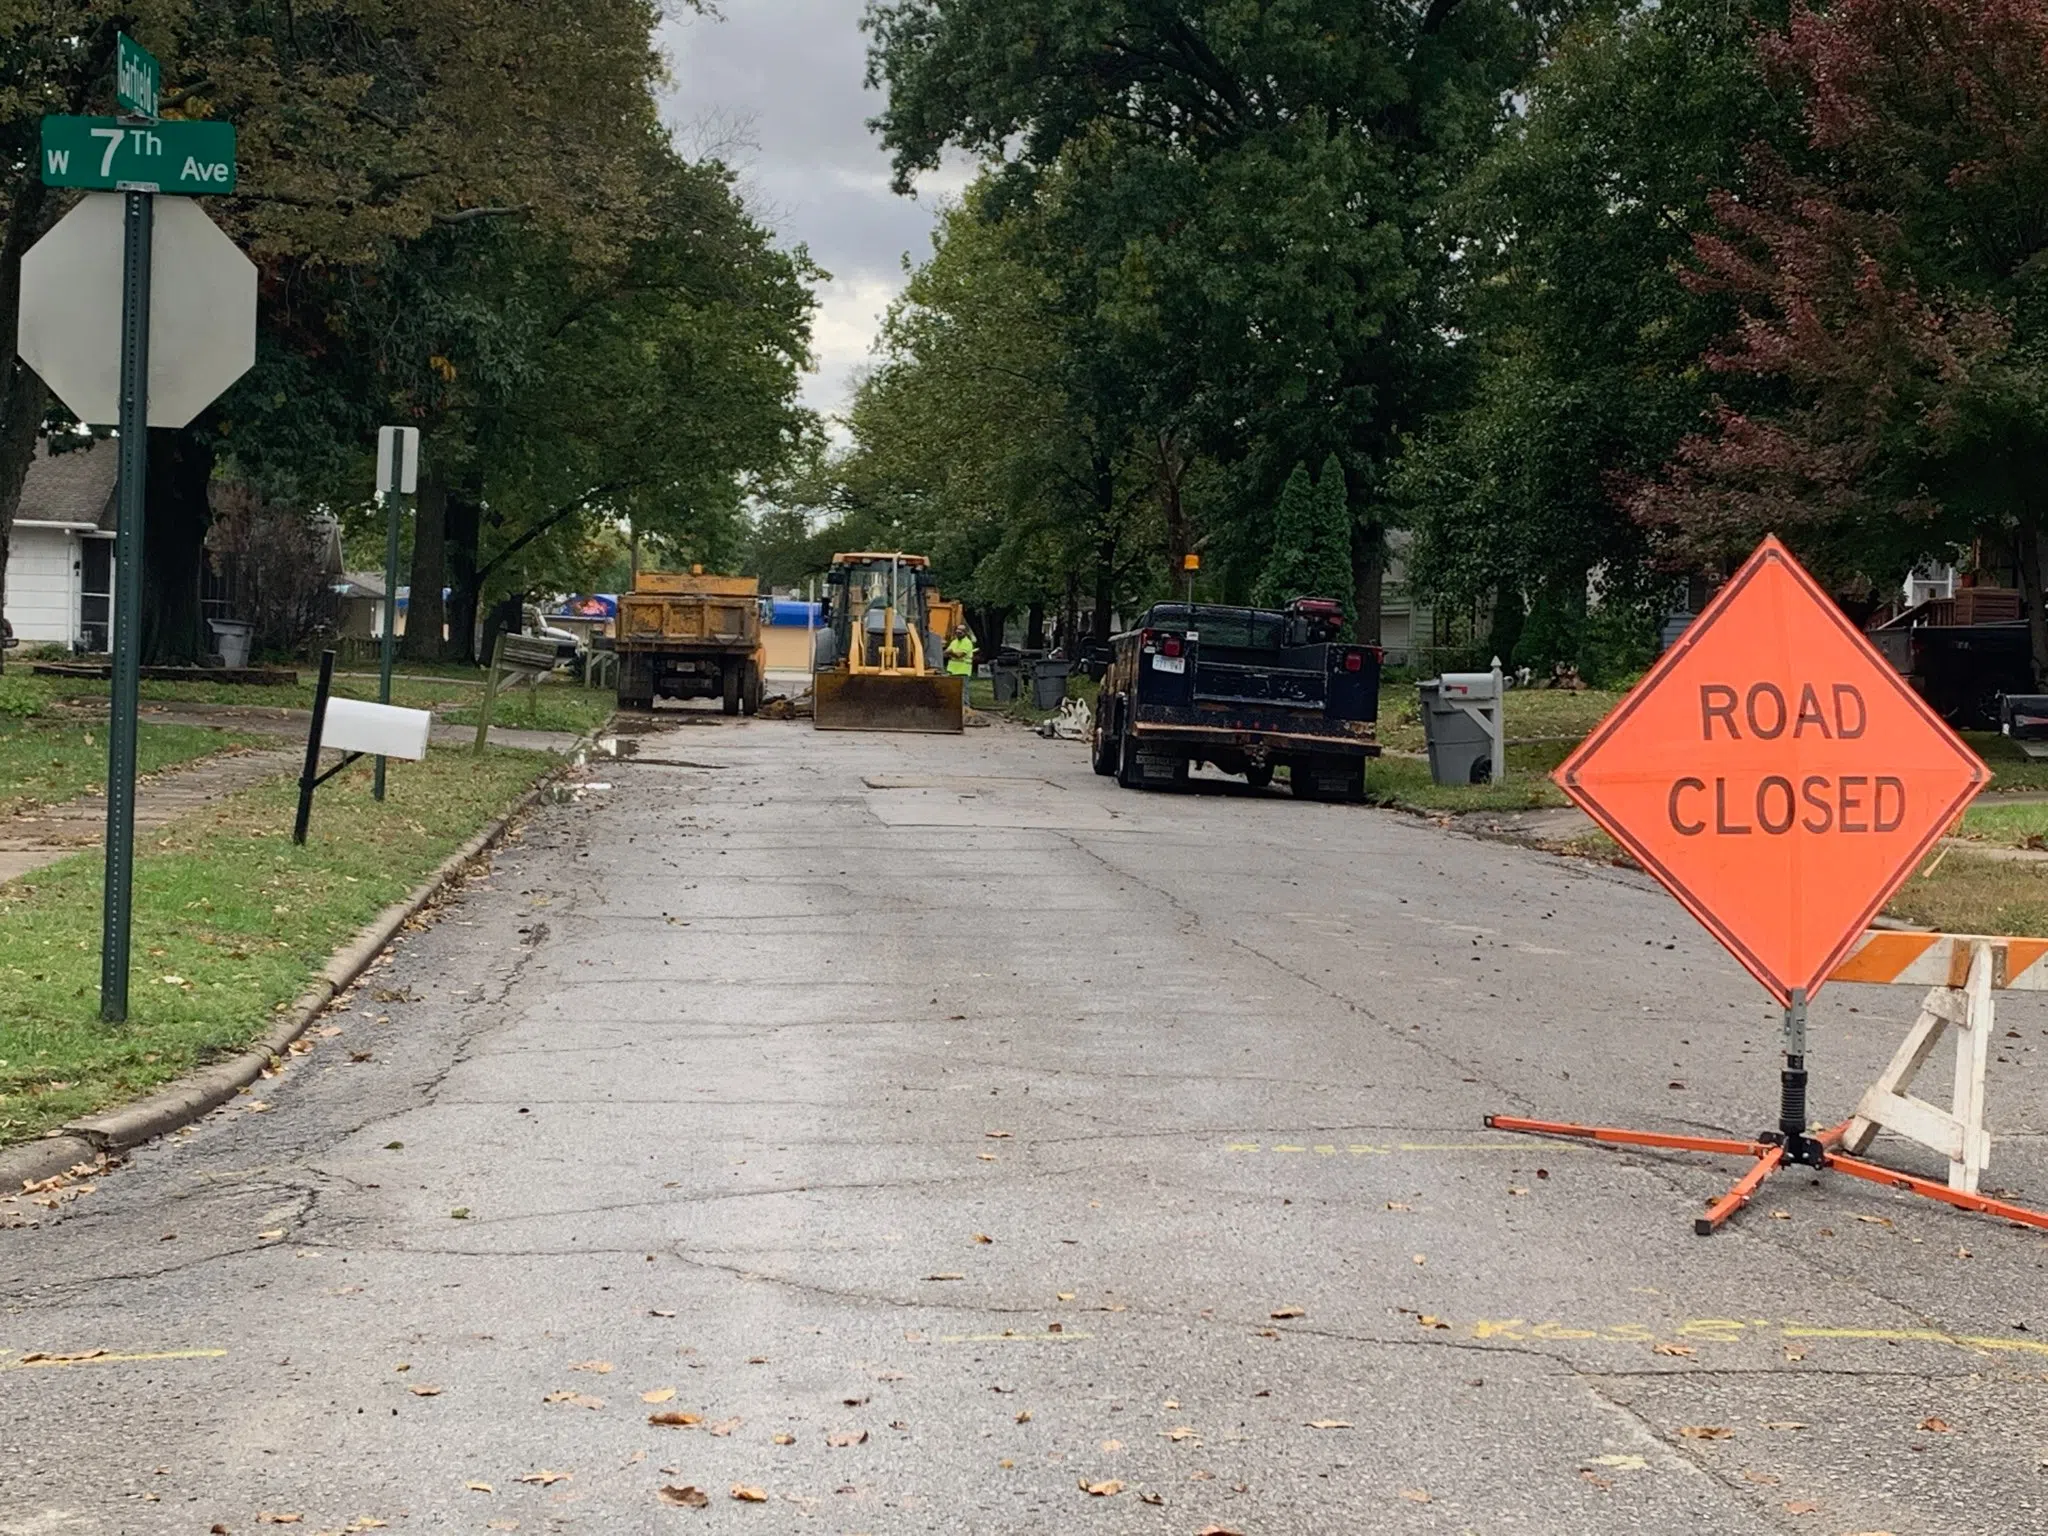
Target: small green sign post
x: 136, y: 77
x: 107, y: 154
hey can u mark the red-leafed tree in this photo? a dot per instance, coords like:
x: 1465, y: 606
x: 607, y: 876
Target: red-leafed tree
x: 1887, y: 385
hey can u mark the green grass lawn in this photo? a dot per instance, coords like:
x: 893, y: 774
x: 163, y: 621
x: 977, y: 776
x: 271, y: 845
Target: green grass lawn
x: 1405, y: 782
x: 553, y: 706
x: 231, y: 923
x: 46, y: 762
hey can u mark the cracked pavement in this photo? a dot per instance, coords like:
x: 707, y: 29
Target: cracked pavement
x: 1049, y: 1135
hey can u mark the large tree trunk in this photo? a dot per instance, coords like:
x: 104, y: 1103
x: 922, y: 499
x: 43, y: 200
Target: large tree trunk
x: 177, y: 514
x: 424, y: 612
x: 464, y: 528
x: 2027, y: 557
x: 22, y: 396
x: 1178, y: 540
x: 1368, y: 577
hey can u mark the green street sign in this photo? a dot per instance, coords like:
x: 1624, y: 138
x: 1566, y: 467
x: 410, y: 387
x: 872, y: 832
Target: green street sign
x: 190, y: 159
x: 135, y: 77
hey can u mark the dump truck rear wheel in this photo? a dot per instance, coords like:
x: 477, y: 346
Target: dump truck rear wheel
x: 1130, y: 773
x: 1103, y: 757
x: 730, y: 679
x: 750, y: 689
x: 1259, y: 775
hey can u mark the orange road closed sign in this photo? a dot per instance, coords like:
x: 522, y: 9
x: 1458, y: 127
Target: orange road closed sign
x: 1776, y: 775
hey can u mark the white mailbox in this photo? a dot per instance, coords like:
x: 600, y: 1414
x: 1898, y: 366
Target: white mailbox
x: 379, y: 730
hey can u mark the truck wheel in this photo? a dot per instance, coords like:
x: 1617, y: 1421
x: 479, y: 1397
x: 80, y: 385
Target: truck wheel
x: 750, y: 689
x: 1102, y: 756
x: 1259, y: 775
x: 730, y: 680
x: 1130, y: 773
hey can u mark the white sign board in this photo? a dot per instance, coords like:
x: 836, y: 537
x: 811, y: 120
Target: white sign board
x: 398, y: 460
x: 202, y: 311
x: 383, y: 730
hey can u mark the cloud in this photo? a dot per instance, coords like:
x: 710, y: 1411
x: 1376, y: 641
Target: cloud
x: 775, y: 88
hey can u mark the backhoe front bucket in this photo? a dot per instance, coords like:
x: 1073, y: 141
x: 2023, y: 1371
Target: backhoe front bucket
x: 887, y: 701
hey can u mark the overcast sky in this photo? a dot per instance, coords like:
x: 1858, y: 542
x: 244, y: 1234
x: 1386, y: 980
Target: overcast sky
x: 775, y: 89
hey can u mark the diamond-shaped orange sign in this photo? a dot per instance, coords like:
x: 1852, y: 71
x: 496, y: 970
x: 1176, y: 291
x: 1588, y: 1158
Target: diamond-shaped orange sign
x: 1776, y: 775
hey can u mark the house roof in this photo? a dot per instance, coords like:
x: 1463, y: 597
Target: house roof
x: 361, y: 584
x: 72, y: 487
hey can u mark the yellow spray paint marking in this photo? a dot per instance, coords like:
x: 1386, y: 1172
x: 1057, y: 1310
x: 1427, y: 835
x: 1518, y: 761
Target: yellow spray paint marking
x: 36, y: 1360
x: 1387, y: 1149
x: 1729, y: 1330
x: 1013, y: 1338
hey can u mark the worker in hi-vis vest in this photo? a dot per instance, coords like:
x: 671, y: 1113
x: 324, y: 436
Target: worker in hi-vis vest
x: 960, y: 654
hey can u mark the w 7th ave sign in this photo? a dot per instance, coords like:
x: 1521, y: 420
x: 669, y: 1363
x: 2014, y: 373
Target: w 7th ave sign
x: 108, y: 155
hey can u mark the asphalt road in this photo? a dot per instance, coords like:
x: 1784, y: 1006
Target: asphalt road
x: 933, y: 1095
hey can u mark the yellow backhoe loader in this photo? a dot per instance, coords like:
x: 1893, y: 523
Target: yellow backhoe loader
x: 876, y: 666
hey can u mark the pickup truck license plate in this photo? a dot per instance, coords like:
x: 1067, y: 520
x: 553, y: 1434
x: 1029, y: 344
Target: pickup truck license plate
x: 1169, y: 663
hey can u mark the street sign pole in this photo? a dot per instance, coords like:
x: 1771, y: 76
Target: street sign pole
x: 138, y: 215
x: 390, y: 645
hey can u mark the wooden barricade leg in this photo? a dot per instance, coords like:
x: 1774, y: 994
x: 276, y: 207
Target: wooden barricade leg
x: 1958, y: 1134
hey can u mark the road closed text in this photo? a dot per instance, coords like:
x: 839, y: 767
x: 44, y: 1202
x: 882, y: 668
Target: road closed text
x: 1772, y: 805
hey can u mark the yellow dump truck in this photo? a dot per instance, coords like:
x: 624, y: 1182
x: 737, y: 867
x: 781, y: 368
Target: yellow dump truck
x: 685, y: 635
x: 878, y: 665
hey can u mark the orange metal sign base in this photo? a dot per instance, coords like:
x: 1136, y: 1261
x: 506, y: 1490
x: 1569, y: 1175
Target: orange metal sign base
x: 1770, y: 1157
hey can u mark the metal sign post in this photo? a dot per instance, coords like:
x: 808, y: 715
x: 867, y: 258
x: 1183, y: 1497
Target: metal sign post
x: 137, y: 218
x: 398, y: 464
x: 204, y: 324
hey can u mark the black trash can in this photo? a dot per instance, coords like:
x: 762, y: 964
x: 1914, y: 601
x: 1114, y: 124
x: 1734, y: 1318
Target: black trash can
x: 1049, y: 683
x: 1006, y: 677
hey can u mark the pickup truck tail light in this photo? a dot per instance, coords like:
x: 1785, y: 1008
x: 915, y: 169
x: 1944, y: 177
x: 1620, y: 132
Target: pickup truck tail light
x: 1169, y: 645
x: 1354, y: 661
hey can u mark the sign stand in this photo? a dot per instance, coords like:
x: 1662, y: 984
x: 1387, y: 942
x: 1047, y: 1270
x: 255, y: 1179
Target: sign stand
x: 311, y: 778
x: 1780, y: 779
x: 356, y: 729
x: 398, y: 461
x: 137, y: 223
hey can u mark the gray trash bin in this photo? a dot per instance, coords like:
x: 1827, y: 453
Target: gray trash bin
x: 1005, y: 677
x: 231, y: 638
x: 1460, y: 745
x: 1049, y: 683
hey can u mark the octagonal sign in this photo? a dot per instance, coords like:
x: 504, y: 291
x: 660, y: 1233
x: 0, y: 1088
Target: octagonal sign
x: 1775, y: 774
x: 202, y: 311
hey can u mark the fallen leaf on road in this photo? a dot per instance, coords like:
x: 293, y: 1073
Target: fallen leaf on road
x: 460, y: 1213
x: 1331, y: 1424
x: 784, y: 1439
x: 1396, y: 1205
x: 1180, y: 1432
x: 544, y: 1477
x: 265, y: 1517
x: 1706, y: 1432
x: 986, y: 1157
x: 1802, y: 1507
x: 1104, y: 1490
x: 1935, y: 1426
x: 426, y: 1391
x: 578, y: 1398
x: 748, y: 1495
x: 1063, y: 1295
x: 658, y: 1312
x: 1673, y: 1349
x: 479, y: 1488
x: 1602, y: 1483
x: 1218, y: 1530
x: 1415, y: 1495
x: 841, y: 1438
x: 1419, y: 1259
x: 600, y: 1367
x: 1023, y: 1415
x: 1620, y: 1463
x: 660, y: 1396
x: 1787, y: 1424
x: 271, y: 1236
x: 1876, y: 1221
x: 997, y: 1135
x: 945, y: 1277
x: 689, y: 1496
x: 1111, y: 1447
x: 257, y: 1107
x: 1284, y: 1312
x: 1427, y: 1321
x: 674, y: 1419
x: 725, y: 1426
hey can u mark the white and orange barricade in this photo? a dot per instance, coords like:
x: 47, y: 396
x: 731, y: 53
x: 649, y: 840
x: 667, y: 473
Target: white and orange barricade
x: 1963, y: 972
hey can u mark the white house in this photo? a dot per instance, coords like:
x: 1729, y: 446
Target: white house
x: 60, y: 559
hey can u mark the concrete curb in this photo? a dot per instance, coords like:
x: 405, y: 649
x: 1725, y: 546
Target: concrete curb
x: 211, y: 1086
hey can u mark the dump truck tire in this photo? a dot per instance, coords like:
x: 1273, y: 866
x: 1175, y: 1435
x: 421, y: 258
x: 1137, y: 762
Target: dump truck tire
x: 730, y: 682
x: 750, y: 689
x: 1102, y: 755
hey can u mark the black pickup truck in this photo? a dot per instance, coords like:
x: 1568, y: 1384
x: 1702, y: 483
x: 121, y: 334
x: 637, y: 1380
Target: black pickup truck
x: 1244, y: 689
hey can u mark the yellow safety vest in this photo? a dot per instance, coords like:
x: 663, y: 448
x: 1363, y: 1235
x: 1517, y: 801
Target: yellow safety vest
x: 960, y: 655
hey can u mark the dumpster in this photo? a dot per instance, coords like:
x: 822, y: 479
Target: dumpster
x: 1461, y: 722
x: 231, y: 639
x: 1049, y: 683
